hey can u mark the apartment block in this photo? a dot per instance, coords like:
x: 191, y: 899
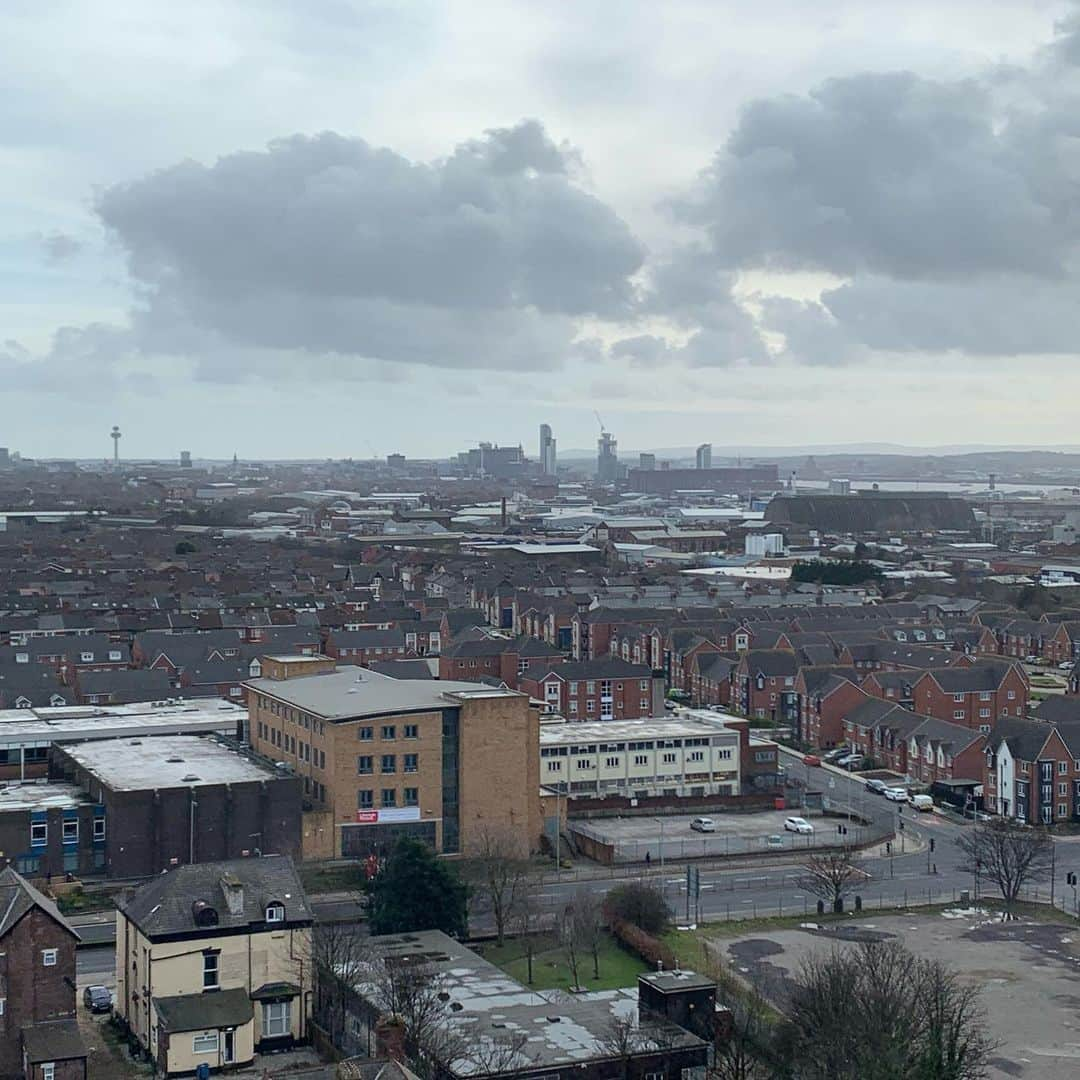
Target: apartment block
x: 381, y: 757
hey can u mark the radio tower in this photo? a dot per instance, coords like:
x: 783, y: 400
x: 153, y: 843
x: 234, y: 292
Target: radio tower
x: 115, y: 436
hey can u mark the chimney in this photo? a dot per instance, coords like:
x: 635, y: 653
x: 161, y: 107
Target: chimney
x: 233, y: 888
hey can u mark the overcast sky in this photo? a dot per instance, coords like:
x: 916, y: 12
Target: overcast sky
x: 304, y: 228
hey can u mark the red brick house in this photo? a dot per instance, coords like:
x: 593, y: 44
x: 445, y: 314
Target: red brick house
x: 711, y: 677
x: 976, y: 696
x: 1032, y: 772
x: 496, y: 657
x: 765, y: 685
x: 39, y: 1035
x: 608, y: 689
x: 824, y: 696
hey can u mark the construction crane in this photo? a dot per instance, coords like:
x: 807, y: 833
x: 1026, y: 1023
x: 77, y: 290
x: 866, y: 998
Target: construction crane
x: 603, y: 430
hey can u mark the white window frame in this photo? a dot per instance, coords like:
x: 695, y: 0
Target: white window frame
x: 270, y: 1021
x: 206, y: 1043
x: 48, y: 1070
x: 50, y: 957
x: 275, y: 913
x: 86, y: 657
x: 70, y: 831
x: 43, y: 828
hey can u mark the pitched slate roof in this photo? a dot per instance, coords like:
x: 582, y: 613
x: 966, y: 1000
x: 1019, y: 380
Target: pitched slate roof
x: 195, y: 1012
x: 18, y: 896
x: 165, y: 904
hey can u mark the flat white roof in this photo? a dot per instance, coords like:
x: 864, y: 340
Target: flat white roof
x: 67, y: 723
x: 696, y: 726
x: 33, y: 796
x: 166, y: 761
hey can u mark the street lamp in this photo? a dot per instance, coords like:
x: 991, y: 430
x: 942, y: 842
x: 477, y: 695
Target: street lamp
x: 660, y: 822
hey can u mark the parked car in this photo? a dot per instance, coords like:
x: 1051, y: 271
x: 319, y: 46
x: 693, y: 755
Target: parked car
x: 878, y: 787
x: 922, y: 802
x: 850, y: 761
x: 1031, y: 659
x: 703, y: 824
x: 798, y: 825
x: 833, y: 755
x: 1066, y: 665
x: 895, y: 794
x: 98, y: 999
x: 811, y: 759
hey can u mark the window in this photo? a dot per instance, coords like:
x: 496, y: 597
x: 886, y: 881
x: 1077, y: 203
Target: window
x: 590, y: 705
x: 48, y: 958
x: 1063, y: 789
x: 958, y: 698
x: 611, y: 762
x: 22, y: 658
x: 389, y: 731
x: 641, y: 759
x: 554, y: 766
x: 1012, y: 695
x: 389, y: 763
x: 275, y: 1019
x: 958, y: 714
x: 389, y: 797
x: 411, y: 796
x: 275, y: 912
x: 365, y: 765
x: 984, y: 695
x: 71, y: 832
x: 205, y: 1044
x: 1063, y: 767
x: 48, y: 1070
x: 412, y: 731
x: 86, y: 657
x: 115, y: 654
x: 412, y: 762
x: 210, y: 971
x: 39, y: 834
x: 365, y: 734
x: 365, y: 799
x: 669, y: 759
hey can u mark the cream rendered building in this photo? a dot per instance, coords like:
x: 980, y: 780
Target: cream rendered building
x: 213, y: 963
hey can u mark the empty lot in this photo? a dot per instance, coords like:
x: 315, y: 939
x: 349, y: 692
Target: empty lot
x: 1029, y: 974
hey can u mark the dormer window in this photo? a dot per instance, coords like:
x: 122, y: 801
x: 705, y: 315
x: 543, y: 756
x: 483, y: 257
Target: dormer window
x: 275, y: 913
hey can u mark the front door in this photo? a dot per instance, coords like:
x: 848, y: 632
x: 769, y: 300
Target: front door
x: 228, y: 1053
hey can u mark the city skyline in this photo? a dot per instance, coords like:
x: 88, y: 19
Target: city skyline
x: 689, y: 229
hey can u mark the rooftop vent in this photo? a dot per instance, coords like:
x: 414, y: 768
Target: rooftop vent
x: 174, y: 760
x: 191, y: 778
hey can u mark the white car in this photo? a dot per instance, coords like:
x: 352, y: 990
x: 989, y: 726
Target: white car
x: 895, y: 794
x: 1066, y: 665
x: 703, y: 824
x: 798, y: 825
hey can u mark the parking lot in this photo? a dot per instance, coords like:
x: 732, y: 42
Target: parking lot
x: 1028, y: 972
x: 633, y: 838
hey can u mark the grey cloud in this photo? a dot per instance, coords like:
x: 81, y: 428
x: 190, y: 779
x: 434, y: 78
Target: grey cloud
x: 812, y: 332
x: 59, y: 246
x: 327, y: 245
x: 886, y: 173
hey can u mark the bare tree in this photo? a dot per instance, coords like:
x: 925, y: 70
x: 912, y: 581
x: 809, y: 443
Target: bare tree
x: 831, y: 876
x: 337, y: 957
x: 580, y: 930
x: 527, y: 921
x: 496, y: 868
x: 1011, y: 855
x: 880, y: 1011
x: 493, y: 1054
x: 414, y: 993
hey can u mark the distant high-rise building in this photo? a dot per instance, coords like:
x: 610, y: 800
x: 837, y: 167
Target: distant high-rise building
x: 647, y: 461
x: 185, y: 459
x: 703, y: 459
x: 5, y: 457
x: 115, y: 436
x: 395, y: 461
x: 547, y: 451
x: 607, y: 458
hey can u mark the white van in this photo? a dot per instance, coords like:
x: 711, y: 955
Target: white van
x: 922, y: 802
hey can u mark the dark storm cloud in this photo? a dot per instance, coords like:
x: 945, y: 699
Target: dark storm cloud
x: 484, y: 259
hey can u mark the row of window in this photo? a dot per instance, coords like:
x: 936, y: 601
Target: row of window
x: 293, y: 716
x: 39, y: 831
x: 115, y: 656
x: 302, y: 751
x: 365, y: 798
x: 388, y: 732
x: 640, y: 760
x: 365, y: 763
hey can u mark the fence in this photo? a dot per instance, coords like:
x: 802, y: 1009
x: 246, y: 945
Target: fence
x: 607, y: 849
